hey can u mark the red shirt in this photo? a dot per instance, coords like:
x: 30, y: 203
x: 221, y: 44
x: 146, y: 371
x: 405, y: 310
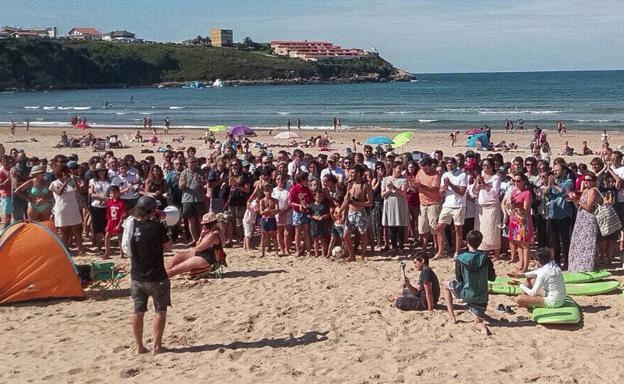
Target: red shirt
x: 115, y: 212
x: 299, y: 194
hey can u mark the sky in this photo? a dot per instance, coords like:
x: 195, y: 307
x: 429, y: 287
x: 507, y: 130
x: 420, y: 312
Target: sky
x: 419, y: 36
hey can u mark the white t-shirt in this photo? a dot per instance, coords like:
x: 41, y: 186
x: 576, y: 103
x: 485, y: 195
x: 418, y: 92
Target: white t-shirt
x: 549, y: 278
x: 452, y: 199
x: 620, y: 172
x: 338, y: 172
x: 123, y: 182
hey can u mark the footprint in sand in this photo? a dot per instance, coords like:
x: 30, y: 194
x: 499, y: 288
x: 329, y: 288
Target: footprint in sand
x: 130, y: 372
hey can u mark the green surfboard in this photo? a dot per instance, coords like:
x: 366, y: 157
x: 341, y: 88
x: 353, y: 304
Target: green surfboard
x: 591, y: 289
x: 585, y: 277
x: 569, y: 313
x: 500, y: 287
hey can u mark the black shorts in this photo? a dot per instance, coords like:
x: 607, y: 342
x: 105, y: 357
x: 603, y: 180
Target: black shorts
x: 197, y: 209
x: 98, y: 219
x: 159, y: 291
x: 268, y: 224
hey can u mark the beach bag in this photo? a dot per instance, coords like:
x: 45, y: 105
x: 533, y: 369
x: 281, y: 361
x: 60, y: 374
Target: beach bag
x: 607, y: 218
x: 126, y: 238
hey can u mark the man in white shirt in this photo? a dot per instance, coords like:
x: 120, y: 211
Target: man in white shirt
x: 334, y: 170
x: 369, y: 159
x: 453, y: 185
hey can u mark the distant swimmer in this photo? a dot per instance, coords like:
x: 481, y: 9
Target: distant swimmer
x: 288, y: 125
x: 131, y: 99
x: 106, y: 105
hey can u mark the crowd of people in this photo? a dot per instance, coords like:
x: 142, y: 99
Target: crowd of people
x: 333, y: 205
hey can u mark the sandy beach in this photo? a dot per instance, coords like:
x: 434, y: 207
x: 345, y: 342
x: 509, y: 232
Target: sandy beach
x: 304, y: 320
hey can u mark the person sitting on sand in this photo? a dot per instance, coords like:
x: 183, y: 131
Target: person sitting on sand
x: 138, y: 138
x: 148, y: 241
x: 64, y: 142
x: 547, y: 277
x: 428, y: 288
x: 586, y: 151
x: 205, y: 254
x: 473, y: 270
x: 567, y: 150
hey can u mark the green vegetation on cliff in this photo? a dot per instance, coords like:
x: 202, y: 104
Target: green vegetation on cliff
x: 71, y: 64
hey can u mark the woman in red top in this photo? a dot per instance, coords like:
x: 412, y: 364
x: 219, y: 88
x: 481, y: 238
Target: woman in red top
x: 300, y: 197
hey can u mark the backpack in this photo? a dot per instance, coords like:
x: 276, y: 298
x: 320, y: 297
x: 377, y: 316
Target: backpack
x: 126, y: 238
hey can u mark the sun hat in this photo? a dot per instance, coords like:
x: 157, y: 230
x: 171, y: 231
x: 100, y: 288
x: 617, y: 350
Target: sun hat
x: 209, y: 218
x: 36, y: 170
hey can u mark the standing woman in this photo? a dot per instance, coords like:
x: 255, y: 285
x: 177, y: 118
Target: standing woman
x: 36, y: 192
x: 97, y: 191
x: 67, y: 217
x: 520, y: 222
x: 395, y: 211
x: 486, y: 191
x: 284, y: 215
x: 583, y: 244
x: 156, y: 186
x: 378, y: 203
x: 413, y: 202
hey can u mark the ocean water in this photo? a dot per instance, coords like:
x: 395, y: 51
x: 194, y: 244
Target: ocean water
x: 585, y: 100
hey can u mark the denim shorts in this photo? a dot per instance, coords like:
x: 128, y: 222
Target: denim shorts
x: 300, y: 218
x: 7, y: 206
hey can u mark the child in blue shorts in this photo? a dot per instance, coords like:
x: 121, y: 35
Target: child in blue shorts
x: 268, y: 222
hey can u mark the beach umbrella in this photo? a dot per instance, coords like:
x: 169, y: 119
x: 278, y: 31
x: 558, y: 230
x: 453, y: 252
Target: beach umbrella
x: 218, y: 128
x: 379, y: 140
x: 241, y: 130
x: 287, y: 135
x: 402, y: 138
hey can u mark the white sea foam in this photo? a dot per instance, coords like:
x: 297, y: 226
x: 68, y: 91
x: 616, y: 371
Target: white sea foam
x: 80, y: 108
x: 283, y: 113
x: 32, y: 107
x: 426, y: 121
x: 49, y: 108
x: 176, y: 107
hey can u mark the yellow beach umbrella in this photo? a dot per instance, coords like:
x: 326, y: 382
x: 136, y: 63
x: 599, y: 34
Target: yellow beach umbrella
x: 402, y: 138
x: 218, y: 128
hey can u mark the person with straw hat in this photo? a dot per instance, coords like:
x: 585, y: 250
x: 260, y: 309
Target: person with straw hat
x: 206, y: 254
x: 36, y: 191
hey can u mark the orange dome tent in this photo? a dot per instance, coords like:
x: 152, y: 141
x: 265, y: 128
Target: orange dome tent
x: 35, y: 265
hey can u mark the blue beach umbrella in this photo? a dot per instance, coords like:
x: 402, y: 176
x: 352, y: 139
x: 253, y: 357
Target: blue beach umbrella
x: 377, y: 140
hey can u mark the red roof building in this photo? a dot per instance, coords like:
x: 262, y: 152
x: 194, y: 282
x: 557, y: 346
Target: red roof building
x: 314, y: 50
x: 84, y: 33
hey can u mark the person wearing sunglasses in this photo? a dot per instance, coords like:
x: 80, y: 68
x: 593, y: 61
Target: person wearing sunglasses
x: 520, y: 223
x: 583, y: 244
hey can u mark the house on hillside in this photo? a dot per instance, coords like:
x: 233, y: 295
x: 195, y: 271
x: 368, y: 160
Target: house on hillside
x: 81, y: 33
x: 30, y: 33
x: 123, y: 36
